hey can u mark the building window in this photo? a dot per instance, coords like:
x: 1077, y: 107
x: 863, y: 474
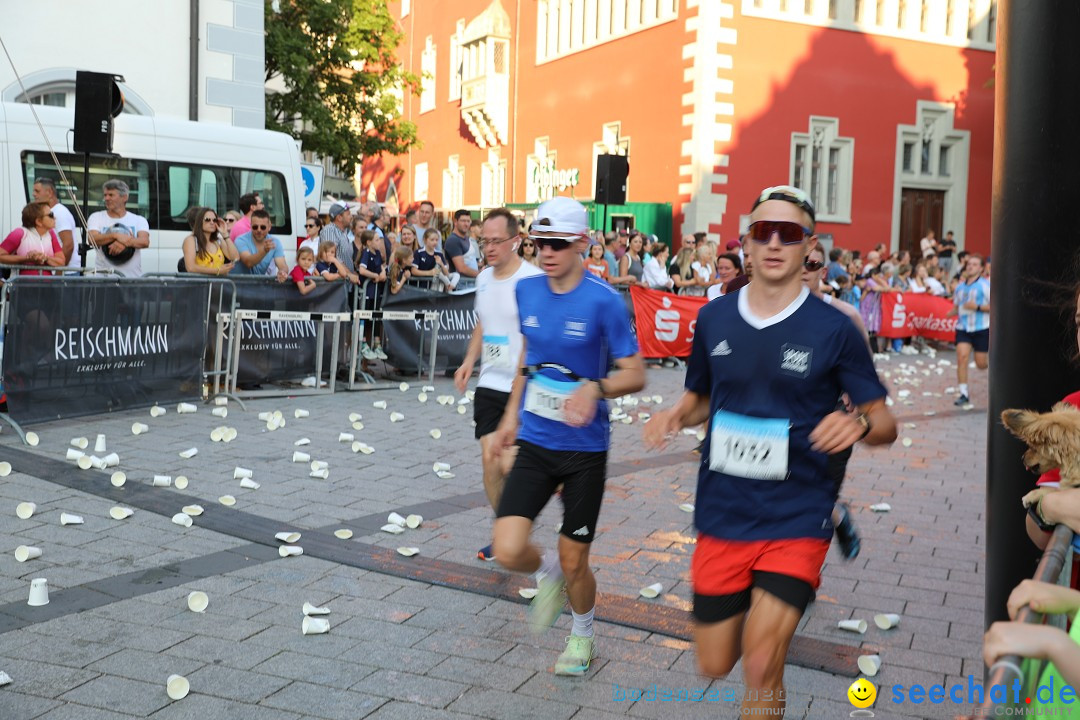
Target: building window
x: 420, y: 180
x: 832, y: 9
x: 991, y: 23
x: 456, y: 61
x: 453, y: 190
x: 950, y: 17
x: 943, y: 161
x: 924, y: 162
x: 858, y: 11
x: 901, y: 13
x: 493, y: 181
x: 972, y: 20
x: 821, y: 164
x: 909, y: 153
x: 924, y: 17
x: 564, y: 27
x: 879, y: 15
x: 427, y: 69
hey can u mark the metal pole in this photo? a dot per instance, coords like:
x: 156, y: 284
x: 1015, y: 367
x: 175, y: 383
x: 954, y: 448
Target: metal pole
x: 84, y: 245
x: 1035, y: 146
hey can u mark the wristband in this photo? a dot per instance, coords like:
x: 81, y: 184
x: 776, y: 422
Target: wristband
x: 1035, y: 511
x: 865, y: 422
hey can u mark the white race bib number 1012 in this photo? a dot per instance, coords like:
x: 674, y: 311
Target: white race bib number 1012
x: 749, y: 447
x: 547, y: 398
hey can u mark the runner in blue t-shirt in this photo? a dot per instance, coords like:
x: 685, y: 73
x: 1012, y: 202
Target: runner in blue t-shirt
x: 971, y: 301
x: 766, y: 367
x: 575, y: 328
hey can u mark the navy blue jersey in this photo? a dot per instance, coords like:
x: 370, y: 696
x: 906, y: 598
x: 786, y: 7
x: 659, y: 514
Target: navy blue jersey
x: 584, y: 330
x: 769, y: 384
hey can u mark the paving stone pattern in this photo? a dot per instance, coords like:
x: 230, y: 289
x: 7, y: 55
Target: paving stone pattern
x: 401, y: 649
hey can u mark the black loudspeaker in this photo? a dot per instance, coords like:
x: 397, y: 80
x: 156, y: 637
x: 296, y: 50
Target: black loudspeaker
x: 611, y: 172
x: 97, y: 101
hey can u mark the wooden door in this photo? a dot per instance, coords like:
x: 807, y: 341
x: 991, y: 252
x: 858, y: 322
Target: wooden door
x: 920, y: 210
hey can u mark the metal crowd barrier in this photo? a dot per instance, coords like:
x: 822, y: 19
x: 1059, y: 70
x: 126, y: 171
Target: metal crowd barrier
x: 1054, y: 567
x: 363, y: 312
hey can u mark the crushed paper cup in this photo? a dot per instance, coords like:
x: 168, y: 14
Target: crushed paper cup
x: 99, y: 444
x: 221, y: 400
x: 366, y: 449
x: 626, y: 419
x: 182, y: 519
x: 345, y: 437
x: 288, y: 537
x: 186, y: 408
x: 272, y: 424
x: 239, y: 473
x: 408, y: 551
x: 413, y: 521
x: 321, y: 474
x: 392, y: 529
x: 70, y: 519
x: 651, y: 591
x: 230, y: 434
x: 881, y: 507
x: 189, y: 453
x: 27, y: 552
x: 396, y: 417
x: 80, y: 442
x: 343, y: 534
x: 298, y: 413
x: 435, y: 433
x: 858, y: 626
x: 221, y: 412
x: 314, y: 625
x: 319, y: 465
x: 249, y: 484
x: 227, y: 500
x: 85, y: 462
x: 527, y: 593
x: 177, y: 687
x: 909, y: 424
x: 118, y: 478
x: 302, y: 441
x: 266, y: 415
x: 197, y: 601
x: 470, y: 394
x: 309, y: 382
x: 310, y: 610
x: 355, y: 417
x: 869, y: 664
x: 217, y: 434
x: 464, y: 400
x: 887, y: 621
x: 300, y: 457
x: 39, y: 592
x: 657, y: 399
x: 428, y: 388
x: 403, y: 387
x: 73, y: 454
x: 5, y: 469
x: 687, y: 507
x: 157, y: 411
x: 290, y: 550
x: 180, y: 483
x: 192, y: 510
x: 906, y: 442
x: 358, y: 425
x: 440, y: 466
x: 422, y: 397
x: 444, y: 474
x: 162, y: 480
x: 380, y: 404
x: 120, y: 513
x: 396, y: 519
x: 461, y: 410
x: 97, y: 463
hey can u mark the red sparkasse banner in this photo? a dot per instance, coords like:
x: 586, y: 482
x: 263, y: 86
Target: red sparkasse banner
x: 665, y: 322
x: 916, y: 314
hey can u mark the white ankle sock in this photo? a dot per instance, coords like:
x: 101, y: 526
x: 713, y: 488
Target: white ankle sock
x: 582, y: 623
x: 963, y: 389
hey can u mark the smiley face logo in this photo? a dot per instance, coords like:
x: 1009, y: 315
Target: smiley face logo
x: 862, y: 693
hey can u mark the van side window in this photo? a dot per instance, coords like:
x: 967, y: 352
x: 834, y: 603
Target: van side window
x: 136, y: 173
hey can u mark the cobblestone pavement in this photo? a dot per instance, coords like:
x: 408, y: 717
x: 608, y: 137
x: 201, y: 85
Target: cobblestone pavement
x: 118, y: 624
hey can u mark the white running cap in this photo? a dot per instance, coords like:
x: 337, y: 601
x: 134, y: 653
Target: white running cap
x: 561, y: 215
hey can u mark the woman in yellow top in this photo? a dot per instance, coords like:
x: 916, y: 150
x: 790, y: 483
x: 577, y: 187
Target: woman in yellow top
x: 208, y: 250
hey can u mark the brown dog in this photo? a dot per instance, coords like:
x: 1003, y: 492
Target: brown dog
x: 1053, y: 441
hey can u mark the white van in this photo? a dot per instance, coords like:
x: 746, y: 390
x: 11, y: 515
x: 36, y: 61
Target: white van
x: 169, y: 165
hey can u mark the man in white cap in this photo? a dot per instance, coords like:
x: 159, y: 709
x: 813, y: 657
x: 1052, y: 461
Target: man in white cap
x: 575, y: 327
x: 337, y: 231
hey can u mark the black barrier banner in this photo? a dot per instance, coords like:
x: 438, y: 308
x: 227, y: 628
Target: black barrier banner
x: 285, y: 349
x: 455, y: 329
x: 81, y: 346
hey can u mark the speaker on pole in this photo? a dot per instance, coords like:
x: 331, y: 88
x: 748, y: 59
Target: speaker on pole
x: 97, y: 101
x: 611, y: 172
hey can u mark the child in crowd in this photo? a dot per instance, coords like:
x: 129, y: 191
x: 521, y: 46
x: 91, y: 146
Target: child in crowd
x: 301, y: 274
x: 849, y: 291
x: 371, y: 268
x: 329, y: 267
x: 595, y: 263
x: 400, y: 268
x: 432, y: 264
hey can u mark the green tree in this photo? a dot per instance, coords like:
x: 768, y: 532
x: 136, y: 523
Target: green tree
x: 342, y: 84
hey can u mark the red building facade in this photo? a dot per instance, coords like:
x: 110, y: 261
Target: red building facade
x: 881, y: 109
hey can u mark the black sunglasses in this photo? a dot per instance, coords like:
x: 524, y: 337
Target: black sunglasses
x: 812, y: 265
x: 309, y: 225
x: 790, y: 233
x: 555, y: 243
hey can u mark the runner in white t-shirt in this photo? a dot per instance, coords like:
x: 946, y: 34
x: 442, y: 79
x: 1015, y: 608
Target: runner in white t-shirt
x: 496, y: 340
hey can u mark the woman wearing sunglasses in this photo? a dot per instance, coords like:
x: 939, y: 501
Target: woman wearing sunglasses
x: 208, y: 249
x: 36, y: 242
x: 311, y: 232
x: 527, y: 251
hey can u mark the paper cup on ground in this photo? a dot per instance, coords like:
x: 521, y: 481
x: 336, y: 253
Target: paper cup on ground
x: 881, y: 507
x: 221, y: 412
x: 230, y: 434
x: 428, y: 388
x: 162, y: 480
x: 366, y: 449
x: 310, y: 610
x: 869, y: 664
x: 217, y: 434
x: 355, y: 417
x: 287, y: 537
x: 403, y: 387
x: 290, y: 550
x: 887, y: 621
x: 111, y: 460
x: 298, y: 413
x: 527, y: 593
x: 687, y: 507
x: 422, y: 397
x: 395, y: 519
x: 180, y: 483
x: 444, y: 474
x: 182, y: 519
x: 5, y: 469
x: 39, y: 592
x: 240, y: 473
x: 73, y: 454
x: 97, y: 463
x: 80, y: 442
x: 120, y: 513
x: 118, y: 479
x: 249, y: 484
x: 177, y: 687
x: 858, y: 626
x: 267, y: 415
x: 85, y: 462
x: 157, y: 411
x: 99, y: 444
x: 461, y: 410
x: 320, y: 465
x: 651, y: 591
x: 396, y: 417
x: 139, y: 428
x: 300, y: 457
x: 315, y: 625
x: 69, y: 519
x: 221, y: 400
x: 186, y: 408
x: 27, y: 552
x: 192, y: 510
x: 227, y: 500
x: 197, y: 601
x: 345, y: 437
x: 358, y: 425
x: 302, y: 441
x: 436, y: 433
x: 380, y: 404
x: 440, y: 466
x: 392, y: 529
x: 413, y: 521
x: 321, y: 474
x: 408, y: 551
x: 343, y: 534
